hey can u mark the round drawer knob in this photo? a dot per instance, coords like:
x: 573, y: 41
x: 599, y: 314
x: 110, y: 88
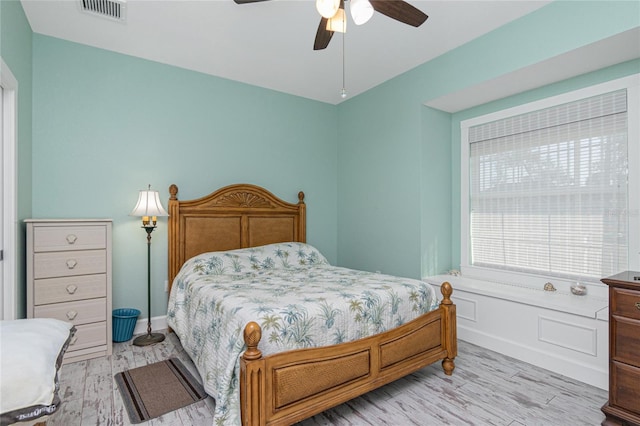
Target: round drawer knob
x: 638, y: 305
x: 71, y: 263
x: 71, y: 238
x: 71, y: 288
x: 72, y: 315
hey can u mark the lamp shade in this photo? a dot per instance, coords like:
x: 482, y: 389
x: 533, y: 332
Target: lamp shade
x: 338, y: 23
x: 148, y: 204
x: 327, y: 8
x: 361, y: 11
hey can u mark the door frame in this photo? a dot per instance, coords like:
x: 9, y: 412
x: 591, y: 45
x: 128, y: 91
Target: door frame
x: 9, y: 193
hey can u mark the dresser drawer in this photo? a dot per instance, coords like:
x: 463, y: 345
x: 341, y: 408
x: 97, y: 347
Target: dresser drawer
x: 625, y: 340
x: 67, y: 289
x: 625, y: 303
x: 625, y: 380
x: 87, y: 336
x: 57, y: 238
x: 68, y: 263
x: 80, y: 312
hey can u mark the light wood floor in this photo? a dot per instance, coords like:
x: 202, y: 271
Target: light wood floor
x: 486, y: 389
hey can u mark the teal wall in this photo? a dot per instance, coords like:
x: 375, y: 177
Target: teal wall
x: 393, y: 215
x: 106, y: 125
x: 15, y: 50
x: 381, y: 170
x: 379, y: 181
x: 436, y: 192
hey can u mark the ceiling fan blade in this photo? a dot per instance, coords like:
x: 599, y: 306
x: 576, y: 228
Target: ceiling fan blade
x: 400, y: 10
x: 323, y: 35
x: 247, y: 1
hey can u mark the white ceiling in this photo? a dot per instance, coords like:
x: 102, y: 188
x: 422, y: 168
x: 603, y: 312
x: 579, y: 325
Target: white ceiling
x: 270, y: 44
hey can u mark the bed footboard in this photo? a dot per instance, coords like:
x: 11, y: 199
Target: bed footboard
x: 287, y: 387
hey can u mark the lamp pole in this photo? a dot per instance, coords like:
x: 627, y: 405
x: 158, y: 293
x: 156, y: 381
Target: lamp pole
x: 149, y: 338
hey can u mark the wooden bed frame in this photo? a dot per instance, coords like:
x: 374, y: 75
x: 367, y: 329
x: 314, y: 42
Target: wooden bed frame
x: 287, y: 387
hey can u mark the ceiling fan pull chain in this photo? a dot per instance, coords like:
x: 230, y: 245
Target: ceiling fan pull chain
x: 343, y: 92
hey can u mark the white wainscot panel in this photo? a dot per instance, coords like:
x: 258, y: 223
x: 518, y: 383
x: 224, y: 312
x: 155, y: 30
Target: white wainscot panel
x: 466, y: 309
x: 568, y: 335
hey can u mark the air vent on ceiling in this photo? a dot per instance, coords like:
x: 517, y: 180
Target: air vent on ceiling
x: 112, y: 9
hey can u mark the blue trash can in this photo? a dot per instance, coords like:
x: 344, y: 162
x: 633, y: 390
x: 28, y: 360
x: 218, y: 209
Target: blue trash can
x: 124, y: 321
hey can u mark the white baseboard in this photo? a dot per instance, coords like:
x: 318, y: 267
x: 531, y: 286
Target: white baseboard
x: 157, y: 323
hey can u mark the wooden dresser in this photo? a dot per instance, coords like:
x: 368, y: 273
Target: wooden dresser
x: 623, y: 407
x: 69, y: 278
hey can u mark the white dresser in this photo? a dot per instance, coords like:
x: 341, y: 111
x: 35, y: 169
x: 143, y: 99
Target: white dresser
x: 69, y: 278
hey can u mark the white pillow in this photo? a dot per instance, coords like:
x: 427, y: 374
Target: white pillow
x: 30, y: 353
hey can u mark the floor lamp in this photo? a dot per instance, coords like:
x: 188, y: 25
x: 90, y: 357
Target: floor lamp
x: 149, y: 208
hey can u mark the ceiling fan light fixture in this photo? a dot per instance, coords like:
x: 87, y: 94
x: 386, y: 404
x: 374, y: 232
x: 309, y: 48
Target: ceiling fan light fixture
x: 338, y: 22
x: 327, y: 8
x: 361, y: 11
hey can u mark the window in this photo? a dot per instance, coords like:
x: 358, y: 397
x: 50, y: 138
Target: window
x: 547, y: 189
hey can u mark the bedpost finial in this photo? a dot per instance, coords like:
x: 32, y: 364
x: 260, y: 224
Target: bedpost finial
x: 300, y: 197
x: 252, y: 336
x: 173, y: 190
x: 447, y: 291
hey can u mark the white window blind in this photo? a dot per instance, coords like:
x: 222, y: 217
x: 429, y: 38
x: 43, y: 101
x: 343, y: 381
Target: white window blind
x: 548, y: 190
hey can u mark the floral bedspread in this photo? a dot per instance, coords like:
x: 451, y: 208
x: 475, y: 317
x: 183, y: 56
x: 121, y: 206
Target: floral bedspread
x: 298, y: 299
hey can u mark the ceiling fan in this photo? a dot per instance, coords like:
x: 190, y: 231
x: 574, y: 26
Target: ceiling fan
x: 334, y: 17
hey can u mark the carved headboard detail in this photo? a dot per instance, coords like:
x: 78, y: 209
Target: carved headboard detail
x: 236, y: 216
x: 243, y: 199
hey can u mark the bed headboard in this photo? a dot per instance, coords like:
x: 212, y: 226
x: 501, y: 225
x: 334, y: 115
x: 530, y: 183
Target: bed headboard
x: 236, y: 216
